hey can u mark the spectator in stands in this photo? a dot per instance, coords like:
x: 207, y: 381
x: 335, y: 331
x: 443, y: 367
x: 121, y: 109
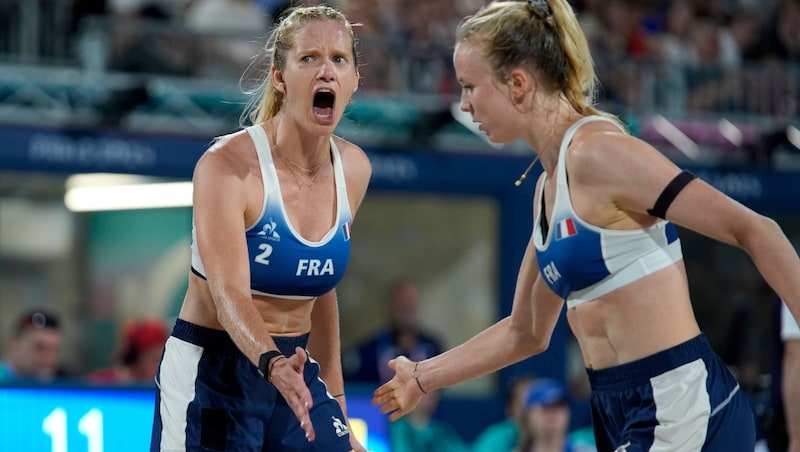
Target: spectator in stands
x: 277, y: 8
x: 274, y: 8
x: 34, y: 351
x: 426, y: 65
x: 253, y: 361
x: 717, y: 82
x: 377, y: 35
x: 604, y: 243
x: 747, y: 30
x: 619, y: 43
x: 403, y: 335
x: 790, y: 334
x: 674, y: 44
x: 712, y: 58
x: 81, y: 17
x: 545, y: 419
x: 504, y: 436
x: 230, y: 32
x: 136, y: 359
x: 712, y: 44
x: 145, y: 41
x: 784, y: 39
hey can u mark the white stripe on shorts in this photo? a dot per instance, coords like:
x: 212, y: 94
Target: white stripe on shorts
x: 789, y: 327
x: 178, y: 374
x: 683, y: 407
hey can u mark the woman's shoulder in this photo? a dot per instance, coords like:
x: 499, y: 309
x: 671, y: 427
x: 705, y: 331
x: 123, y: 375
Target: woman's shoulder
x: 352, y: 155
x: 232, y: 152
x: 348, y: 147
x: 601, y: 155
x: 230, y: 143
x: 357, y: 170
x: 600, y: 143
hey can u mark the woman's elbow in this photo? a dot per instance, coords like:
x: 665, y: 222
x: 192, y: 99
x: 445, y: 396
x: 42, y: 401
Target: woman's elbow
x: 758, y: 228
x: 530, y: 343
x: 538, y: 344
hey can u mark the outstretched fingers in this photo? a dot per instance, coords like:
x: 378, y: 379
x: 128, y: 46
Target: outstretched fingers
x: 296, y: 392
x: 390, y: 401
x: 384, y: 398
x: 399, y: 395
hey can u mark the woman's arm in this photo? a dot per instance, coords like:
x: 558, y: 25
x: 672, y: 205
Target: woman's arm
x: 220, y: 201
x: 220, y: 206
x: 629, y: 174
x: 525, y: 332
x: 707, y: 211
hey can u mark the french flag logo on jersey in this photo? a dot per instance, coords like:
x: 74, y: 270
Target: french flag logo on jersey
x: 346, y: 231
x: 565, y: 228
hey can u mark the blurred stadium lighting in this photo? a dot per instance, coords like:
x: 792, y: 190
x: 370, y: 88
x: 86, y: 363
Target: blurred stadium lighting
x: 676, y: 137
x: 731, y: 132
x: 793, y: 135
x: 97, y: 192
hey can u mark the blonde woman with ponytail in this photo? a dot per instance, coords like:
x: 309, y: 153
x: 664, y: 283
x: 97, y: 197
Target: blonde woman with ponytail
x: 254, y: 362
x: 604, y: 243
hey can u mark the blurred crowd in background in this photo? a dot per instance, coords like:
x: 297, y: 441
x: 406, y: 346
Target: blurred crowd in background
x: 737, y: 55
x: 725, y: 73
x: 696, y: 62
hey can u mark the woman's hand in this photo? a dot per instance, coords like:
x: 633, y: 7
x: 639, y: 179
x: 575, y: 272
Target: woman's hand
x: 401, y: 394
x: 287, y: 376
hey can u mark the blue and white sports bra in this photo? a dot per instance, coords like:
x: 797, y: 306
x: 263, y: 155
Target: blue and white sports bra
x: 282, y: 263
x: 582, y: 262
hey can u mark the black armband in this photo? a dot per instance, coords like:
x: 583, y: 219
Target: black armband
x: 263, y: 362
x: 670, y: 192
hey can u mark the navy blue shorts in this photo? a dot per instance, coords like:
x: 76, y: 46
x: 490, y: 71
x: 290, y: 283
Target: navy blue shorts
x: 682, y: 399
x: 212, y: 398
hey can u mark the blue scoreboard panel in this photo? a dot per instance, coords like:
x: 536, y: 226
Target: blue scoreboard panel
x: 112, y: 419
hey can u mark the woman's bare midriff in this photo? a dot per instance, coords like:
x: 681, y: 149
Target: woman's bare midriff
x: 282, y: 317
x: 635, y: 321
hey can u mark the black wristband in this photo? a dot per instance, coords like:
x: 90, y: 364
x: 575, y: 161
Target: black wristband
x: 263, y: 362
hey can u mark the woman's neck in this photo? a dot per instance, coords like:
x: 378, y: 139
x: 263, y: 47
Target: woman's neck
x: 553, y: 121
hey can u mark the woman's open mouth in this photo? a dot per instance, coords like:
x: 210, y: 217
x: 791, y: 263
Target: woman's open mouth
x: 324, y: 101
